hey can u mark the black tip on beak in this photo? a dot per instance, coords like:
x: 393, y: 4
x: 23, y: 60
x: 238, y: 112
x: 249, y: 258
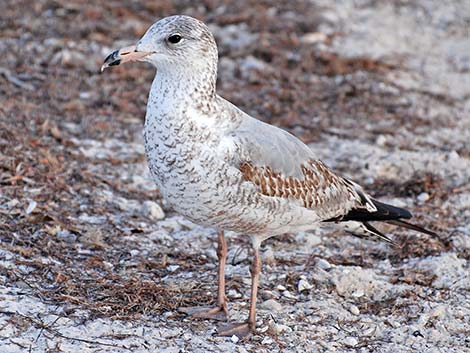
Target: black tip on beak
x: 112, y: 59
x: 123, y: 55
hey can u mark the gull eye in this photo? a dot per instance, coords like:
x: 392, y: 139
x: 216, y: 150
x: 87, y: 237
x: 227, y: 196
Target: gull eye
x: 174, y: 38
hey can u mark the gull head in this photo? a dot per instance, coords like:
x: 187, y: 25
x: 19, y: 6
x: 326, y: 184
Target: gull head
x: 176, y: 42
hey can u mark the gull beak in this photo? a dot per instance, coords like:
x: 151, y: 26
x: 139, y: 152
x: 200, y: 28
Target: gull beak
x: 123, y: 55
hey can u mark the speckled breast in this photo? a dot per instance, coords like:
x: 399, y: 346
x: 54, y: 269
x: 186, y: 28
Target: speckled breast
x: 186, y: 171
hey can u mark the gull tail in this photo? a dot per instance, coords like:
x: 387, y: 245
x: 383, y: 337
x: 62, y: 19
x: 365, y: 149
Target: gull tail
x: 412, y: 226
x: 358, y: 220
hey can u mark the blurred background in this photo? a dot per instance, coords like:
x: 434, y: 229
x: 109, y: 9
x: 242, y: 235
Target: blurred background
x: 379, y: 89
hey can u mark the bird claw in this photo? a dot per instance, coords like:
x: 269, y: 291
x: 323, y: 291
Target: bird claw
x: 239, y: 329
x: 218, y: 313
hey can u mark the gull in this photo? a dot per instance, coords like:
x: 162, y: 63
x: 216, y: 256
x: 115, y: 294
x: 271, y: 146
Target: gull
x: 222, y: 168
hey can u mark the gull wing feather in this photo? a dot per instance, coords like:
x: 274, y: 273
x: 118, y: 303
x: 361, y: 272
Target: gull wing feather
x: 280, y: 165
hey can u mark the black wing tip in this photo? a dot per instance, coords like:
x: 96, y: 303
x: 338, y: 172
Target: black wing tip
x: 414, y: 227
x: 378, y: 233
x: 393, y: 211
x: 384, y: 212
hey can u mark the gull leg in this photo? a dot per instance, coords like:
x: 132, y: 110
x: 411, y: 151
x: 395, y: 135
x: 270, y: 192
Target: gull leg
x: 245, y: 328
x: 219, y: 312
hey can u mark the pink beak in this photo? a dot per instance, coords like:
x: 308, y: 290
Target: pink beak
x: 123, y: 55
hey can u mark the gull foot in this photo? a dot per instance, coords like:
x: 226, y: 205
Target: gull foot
x: 218, y: 313
x: 239, y: 329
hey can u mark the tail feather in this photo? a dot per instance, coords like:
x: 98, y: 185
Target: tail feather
x: 384, y: 213
x: 412, y: 226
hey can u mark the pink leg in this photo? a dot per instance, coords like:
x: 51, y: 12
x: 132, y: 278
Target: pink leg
x: 245, y: 328
x: 219, y: 312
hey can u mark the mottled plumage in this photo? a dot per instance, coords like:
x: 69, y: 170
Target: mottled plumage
x: 220, y: 167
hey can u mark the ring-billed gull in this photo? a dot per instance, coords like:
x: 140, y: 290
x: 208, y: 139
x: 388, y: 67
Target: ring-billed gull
x: 220, y: 167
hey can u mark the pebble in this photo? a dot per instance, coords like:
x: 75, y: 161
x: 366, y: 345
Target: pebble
x: 350, y: 341
x: 152, y: 210
x: 323, y: 264
x: 381, y: 140
x: 232, y: 293
x: 279, y: 328
x: 171, y: 332
x: 172, y: 268
x: 234, y: 339
x: 304, y: 285
x: 289, y: 295
x: 127, y: 205
x: 369, y: 331
x: 314, y: 37
x: 267, y: 340
x: 271, y: 305
x: 424, y: 196
x: 393, y: 323
x: 32, y: 205
x: 92, y: 219
x: 354, y: 309
x: 66, y: 236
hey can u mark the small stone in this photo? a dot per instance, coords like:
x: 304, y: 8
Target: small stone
x: 289, y: 295
x: 350, y: 341
x: 127, y: 205
x: 323, y: 264
x: 171, y: 332
x: 32, y: 205
x: 281, y: 287
x: 314, y: 37
x: 354, y: 310
x: 172, y: 268
x: 369, y: 331
x: 394, y: 324
x: 304, y: 285
x: 232, y: 293
x: 108, y: 265
x: 321, y: 276
x: 358, y: 293
x: 423, y: 197
x: 234, y: 339
x: 91, y: 219
x: 279, y: 328
x: 381, y: 140
x: 267, y: 340
x: 152, y: 210
x: 271, y: 305
x: 66, y: 236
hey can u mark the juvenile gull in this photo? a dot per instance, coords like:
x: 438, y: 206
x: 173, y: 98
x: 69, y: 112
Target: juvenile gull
x: 220, y: 167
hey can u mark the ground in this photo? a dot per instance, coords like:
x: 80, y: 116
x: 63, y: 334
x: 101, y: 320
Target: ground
x: 93, y: 260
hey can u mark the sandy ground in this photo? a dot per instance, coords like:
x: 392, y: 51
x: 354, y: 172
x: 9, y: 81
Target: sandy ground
x: 91, y: 258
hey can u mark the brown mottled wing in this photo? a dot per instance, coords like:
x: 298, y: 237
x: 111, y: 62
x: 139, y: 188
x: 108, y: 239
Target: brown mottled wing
x: 318, y: 188
x: 280, y: 165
